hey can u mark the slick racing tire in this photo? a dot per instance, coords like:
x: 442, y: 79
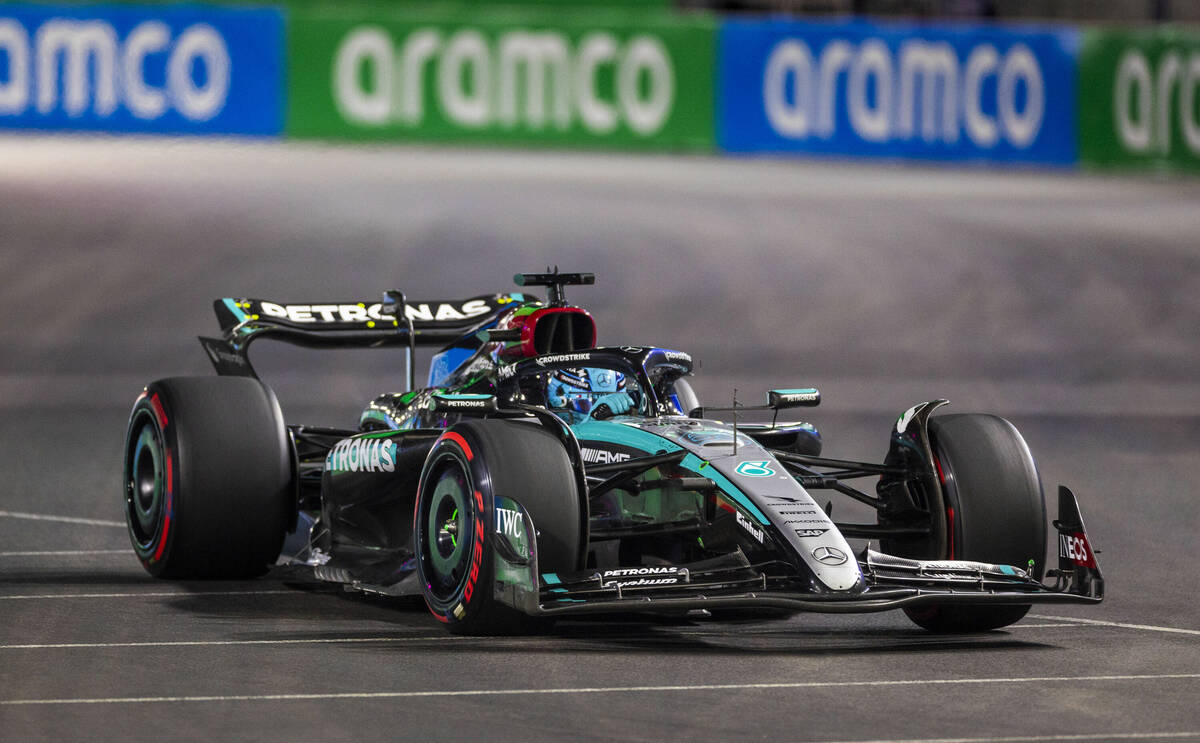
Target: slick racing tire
x: 455, y: 526
x: 995, y: 512
x: 209, y: 478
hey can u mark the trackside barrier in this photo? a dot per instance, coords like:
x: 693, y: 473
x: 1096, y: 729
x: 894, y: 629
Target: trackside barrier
x: 611, y: 80
x: 168, y: 69
x: 1140, y: 98
x: 571, y: 73
x: 1001, y: 95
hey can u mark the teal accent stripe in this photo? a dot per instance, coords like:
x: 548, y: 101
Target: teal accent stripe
x: 616, y: 433
x: 694, y: 463
x: 237, y: 311
x: 804, y: 391
x: 551, y: 579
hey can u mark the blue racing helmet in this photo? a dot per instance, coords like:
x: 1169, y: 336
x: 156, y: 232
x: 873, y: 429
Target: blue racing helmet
x: 579, y: 389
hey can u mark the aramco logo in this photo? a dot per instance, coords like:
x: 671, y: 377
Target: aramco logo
x: 532, y: 80
x: 82, y: 66
x: 922, y: 90
x: 1142, y: 97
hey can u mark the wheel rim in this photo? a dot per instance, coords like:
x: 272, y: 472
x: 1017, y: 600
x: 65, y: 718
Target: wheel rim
x: 449, y: 520
x: 145, y: 481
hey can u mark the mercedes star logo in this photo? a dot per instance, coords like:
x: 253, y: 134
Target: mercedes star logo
x: 829, y: 555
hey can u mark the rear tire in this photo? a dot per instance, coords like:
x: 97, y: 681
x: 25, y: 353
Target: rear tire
x: 995, y: 512
x: 209, y: 478
x: 471, y: 465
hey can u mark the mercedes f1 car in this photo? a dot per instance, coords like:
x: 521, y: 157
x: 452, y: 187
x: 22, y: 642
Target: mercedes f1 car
x: 538, y: 476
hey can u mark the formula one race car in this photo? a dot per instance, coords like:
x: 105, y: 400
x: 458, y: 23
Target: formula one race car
x: 538, y: 476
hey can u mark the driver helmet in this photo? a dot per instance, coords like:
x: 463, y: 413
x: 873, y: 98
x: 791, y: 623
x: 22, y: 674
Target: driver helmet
x: 579, y: 389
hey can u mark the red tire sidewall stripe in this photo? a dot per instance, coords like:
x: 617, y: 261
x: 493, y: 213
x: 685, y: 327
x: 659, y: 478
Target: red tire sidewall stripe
x: 476, y: 551
x: 170, y: 507
x: 937, y: 463
x: 159, y: 412
x: 461, y: 443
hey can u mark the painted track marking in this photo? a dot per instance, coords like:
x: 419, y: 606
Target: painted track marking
x: 63, y: 519
x: 1032, y: 738
x: 151, y: 594
x: 207, y: 643
x: 597, y: 690
x: 790, y: 632
x: 1125, y: 625
x: 64, y: 553
x: 303, y: 641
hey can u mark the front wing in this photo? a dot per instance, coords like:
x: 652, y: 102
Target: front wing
x: 889, y: 582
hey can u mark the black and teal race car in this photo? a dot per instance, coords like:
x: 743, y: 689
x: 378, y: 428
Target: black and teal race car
x: 506, y: 507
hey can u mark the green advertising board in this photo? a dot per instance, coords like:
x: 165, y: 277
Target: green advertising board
x: 614, y: 80
x: 1139, y: 98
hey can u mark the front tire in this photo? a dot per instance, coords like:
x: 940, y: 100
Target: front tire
x: 995, y: 512
x: 209, y: 478
x: 471, y: 465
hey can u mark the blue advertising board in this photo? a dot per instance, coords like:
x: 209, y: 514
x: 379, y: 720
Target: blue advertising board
x: 940, y: 92
x: 164, y: 69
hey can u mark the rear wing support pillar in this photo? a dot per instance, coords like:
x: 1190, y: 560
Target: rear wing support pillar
x: 394, y: 305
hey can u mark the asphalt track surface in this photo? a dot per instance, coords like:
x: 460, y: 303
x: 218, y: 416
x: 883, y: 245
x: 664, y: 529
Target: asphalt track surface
x: 1068, y: 303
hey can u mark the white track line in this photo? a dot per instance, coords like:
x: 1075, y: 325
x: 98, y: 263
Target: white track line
x: 147, y: 594
x: 318, y: 641
x: 595, y: 690
x: 787, y: 632
x: 1102, y: 623
x: 1032, y: 738
x: 206, y: 643
x: 64, y: 519
x: 65, y: 553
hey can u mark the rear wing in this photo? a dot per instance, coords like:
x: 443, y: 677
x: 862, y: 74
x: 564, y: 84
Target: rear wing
x: 349, y: 325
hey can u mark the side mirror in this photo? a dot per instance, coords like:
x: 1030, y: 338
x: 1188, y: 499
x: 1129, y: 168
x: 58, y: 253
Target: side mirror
x: 802, y: 398
x: 393, y: 303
